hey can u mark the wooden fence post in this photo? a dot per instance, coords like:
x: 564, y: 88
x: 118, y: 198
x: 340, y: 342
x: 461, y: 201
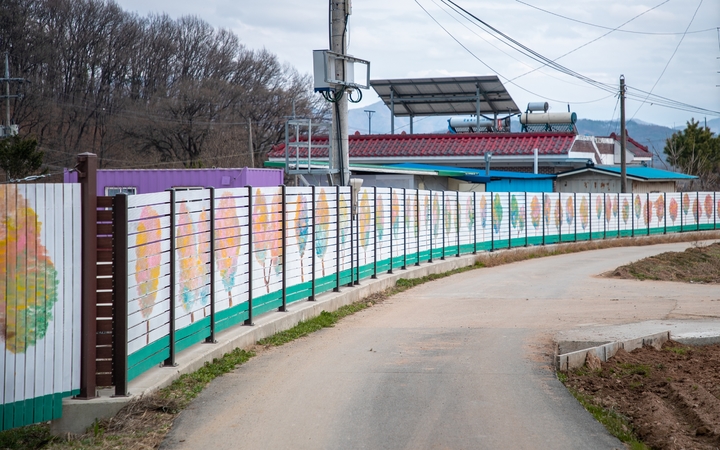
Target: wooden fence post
x: 87, y: 176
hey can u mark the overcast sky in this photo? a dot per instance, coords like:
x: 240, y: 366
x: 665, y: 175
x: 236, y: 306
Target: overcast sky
x: 401, y: 40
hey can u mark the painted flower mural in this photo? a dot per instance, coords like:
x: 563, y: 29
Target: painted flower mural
x: 584, y: 213
x: 535, y: 212
x: 24, y: 318
x: 673, y: 210
x: 227, y: 242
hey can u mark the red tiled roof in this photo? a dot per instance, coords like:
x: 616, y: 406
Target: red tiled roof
x: 425, y: 145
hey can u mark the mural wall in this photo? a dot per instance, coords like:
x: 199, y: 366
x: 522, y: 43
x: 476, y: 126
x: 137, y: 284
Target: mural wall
x: 39, y: 300
x: 266, y: 248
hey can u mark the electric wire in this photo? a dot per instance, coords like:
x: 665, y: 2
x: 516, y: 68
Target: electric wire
x: 669, y: 60
x: 609, y: 28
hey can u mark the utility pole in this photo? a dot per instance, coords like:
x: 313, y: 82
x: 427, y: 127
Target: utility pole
x: 623, y: 138
x: 7, y: 95
x: 340, y: 10
x: 370, y: 112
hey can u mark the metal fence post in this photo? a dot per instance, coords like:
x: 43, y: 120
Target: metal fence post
x: 442, y: 228
x: 314, y: 224
x: 120, y: 295
x: 390, y: 232
x: 87, y: 175
x: 337, y: 239
x: 697, y: 210
x: 170, y: 361
x: 283, y: 243
x: 375, y: 252
x: 575, y: 216
x: 352, y: 242
x: 457, y: 222
x: 647, y: 213
x: 543, y: 219
x: 509, y: 222
x: 590, y: 212
x: 632, y: 216
x: 211, y: 339
x: 475, y: 219
x: 417, y: 225
x: 492, y: 224
x: 430, y: 233
x: 405, y: 222
x: 251, y: 265
x: 560, y: 214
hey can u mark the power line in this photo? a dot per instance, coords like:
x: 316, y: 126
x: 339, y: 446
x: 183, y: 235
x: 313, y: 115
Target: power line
x: 671, y: 58
x: 609, y: 28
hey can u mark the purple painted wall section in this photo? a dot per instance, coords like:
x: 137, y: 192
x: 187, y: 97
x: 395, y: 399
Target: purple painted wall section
x: 146, y: 181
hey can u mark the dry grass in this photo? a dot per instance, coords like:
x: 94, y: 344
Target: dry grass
x: 697, y: 264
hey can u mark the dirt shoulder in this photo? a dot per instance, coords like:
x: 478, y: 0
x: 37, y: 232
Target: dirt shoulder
x: 670, y: 396
x: 697, y: 264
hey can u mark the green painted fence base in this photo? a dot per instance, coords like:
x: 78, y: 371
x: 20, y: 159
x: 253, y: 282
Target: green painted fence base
x: 33, y: 410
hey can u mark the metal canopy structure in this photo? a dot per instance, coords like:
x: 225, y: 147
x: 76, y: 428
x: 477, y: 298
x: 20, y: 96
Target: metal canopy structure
x: 412, y: 97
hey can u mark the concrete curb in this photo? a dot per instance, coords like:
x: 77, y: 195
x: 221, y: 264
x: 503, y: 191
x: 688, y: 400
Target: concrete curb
x: 576, y: 359
x: 78, y: 415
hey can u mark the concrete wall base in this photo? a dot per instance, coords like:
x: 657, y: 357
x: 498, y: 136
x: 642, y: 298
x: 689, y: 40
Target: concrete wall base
x: 79, y: 415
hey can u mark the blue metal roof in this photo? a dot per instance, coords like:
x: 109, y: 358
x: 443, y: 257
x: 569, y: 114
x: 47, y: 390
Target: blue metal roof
x: 476, y: 173
x: 639, y: 172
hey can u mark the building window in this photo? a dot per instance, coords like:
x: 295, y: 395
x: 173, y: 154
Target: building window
x: 112, y: 191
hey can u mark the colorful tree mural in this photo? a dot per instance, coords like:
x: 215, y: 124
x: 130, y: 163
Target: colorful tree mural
x: 696, y: 210
x: 448, y: 216
x: 514, y: 211
x: 535, y: 212
x: 497, y: 213
x: 469, y: 207
x: 708, y: 206
x: 673, y: 210
x: 648, y: 212
x: 276, y: 235
x: 148, y: 259
x: 395, y: 215
x: 410, y: 217
x: 608, y: 209
x: 685, y: 204
x: 322, y: 227
x: 584, y: 213
x: 365, y: 224
x: 637, y: 208
x: 427, y: 215
x: 625, y: 211
x: 547, y: 211
x: 436, y: 215
x: 569, y: 211
x: 482, y: 212
x: 191, y: 275
x: 717, y: 209
x: 616, y: 205
x: 302, y: 229
x: 227, y: 236
x: 599, y: 207
x: 558, y: 214
x: 521, y: 220
x: 660, y: 208
x: 29, y: 286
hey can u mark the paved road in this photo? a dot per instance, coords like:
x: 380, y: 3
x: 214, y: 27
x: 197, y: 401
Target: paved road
x: 459, y: 363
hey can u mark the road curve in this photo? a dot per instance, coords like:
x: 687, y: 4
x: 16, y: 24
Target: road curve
x: 459, y: 363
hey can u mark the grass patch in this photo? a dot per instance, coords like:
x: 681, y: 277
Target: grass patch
x: 635, y: 369
x: 617, y: 424
x: 677, y: 350
x: 697, y: 264
x: 31, y: 436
